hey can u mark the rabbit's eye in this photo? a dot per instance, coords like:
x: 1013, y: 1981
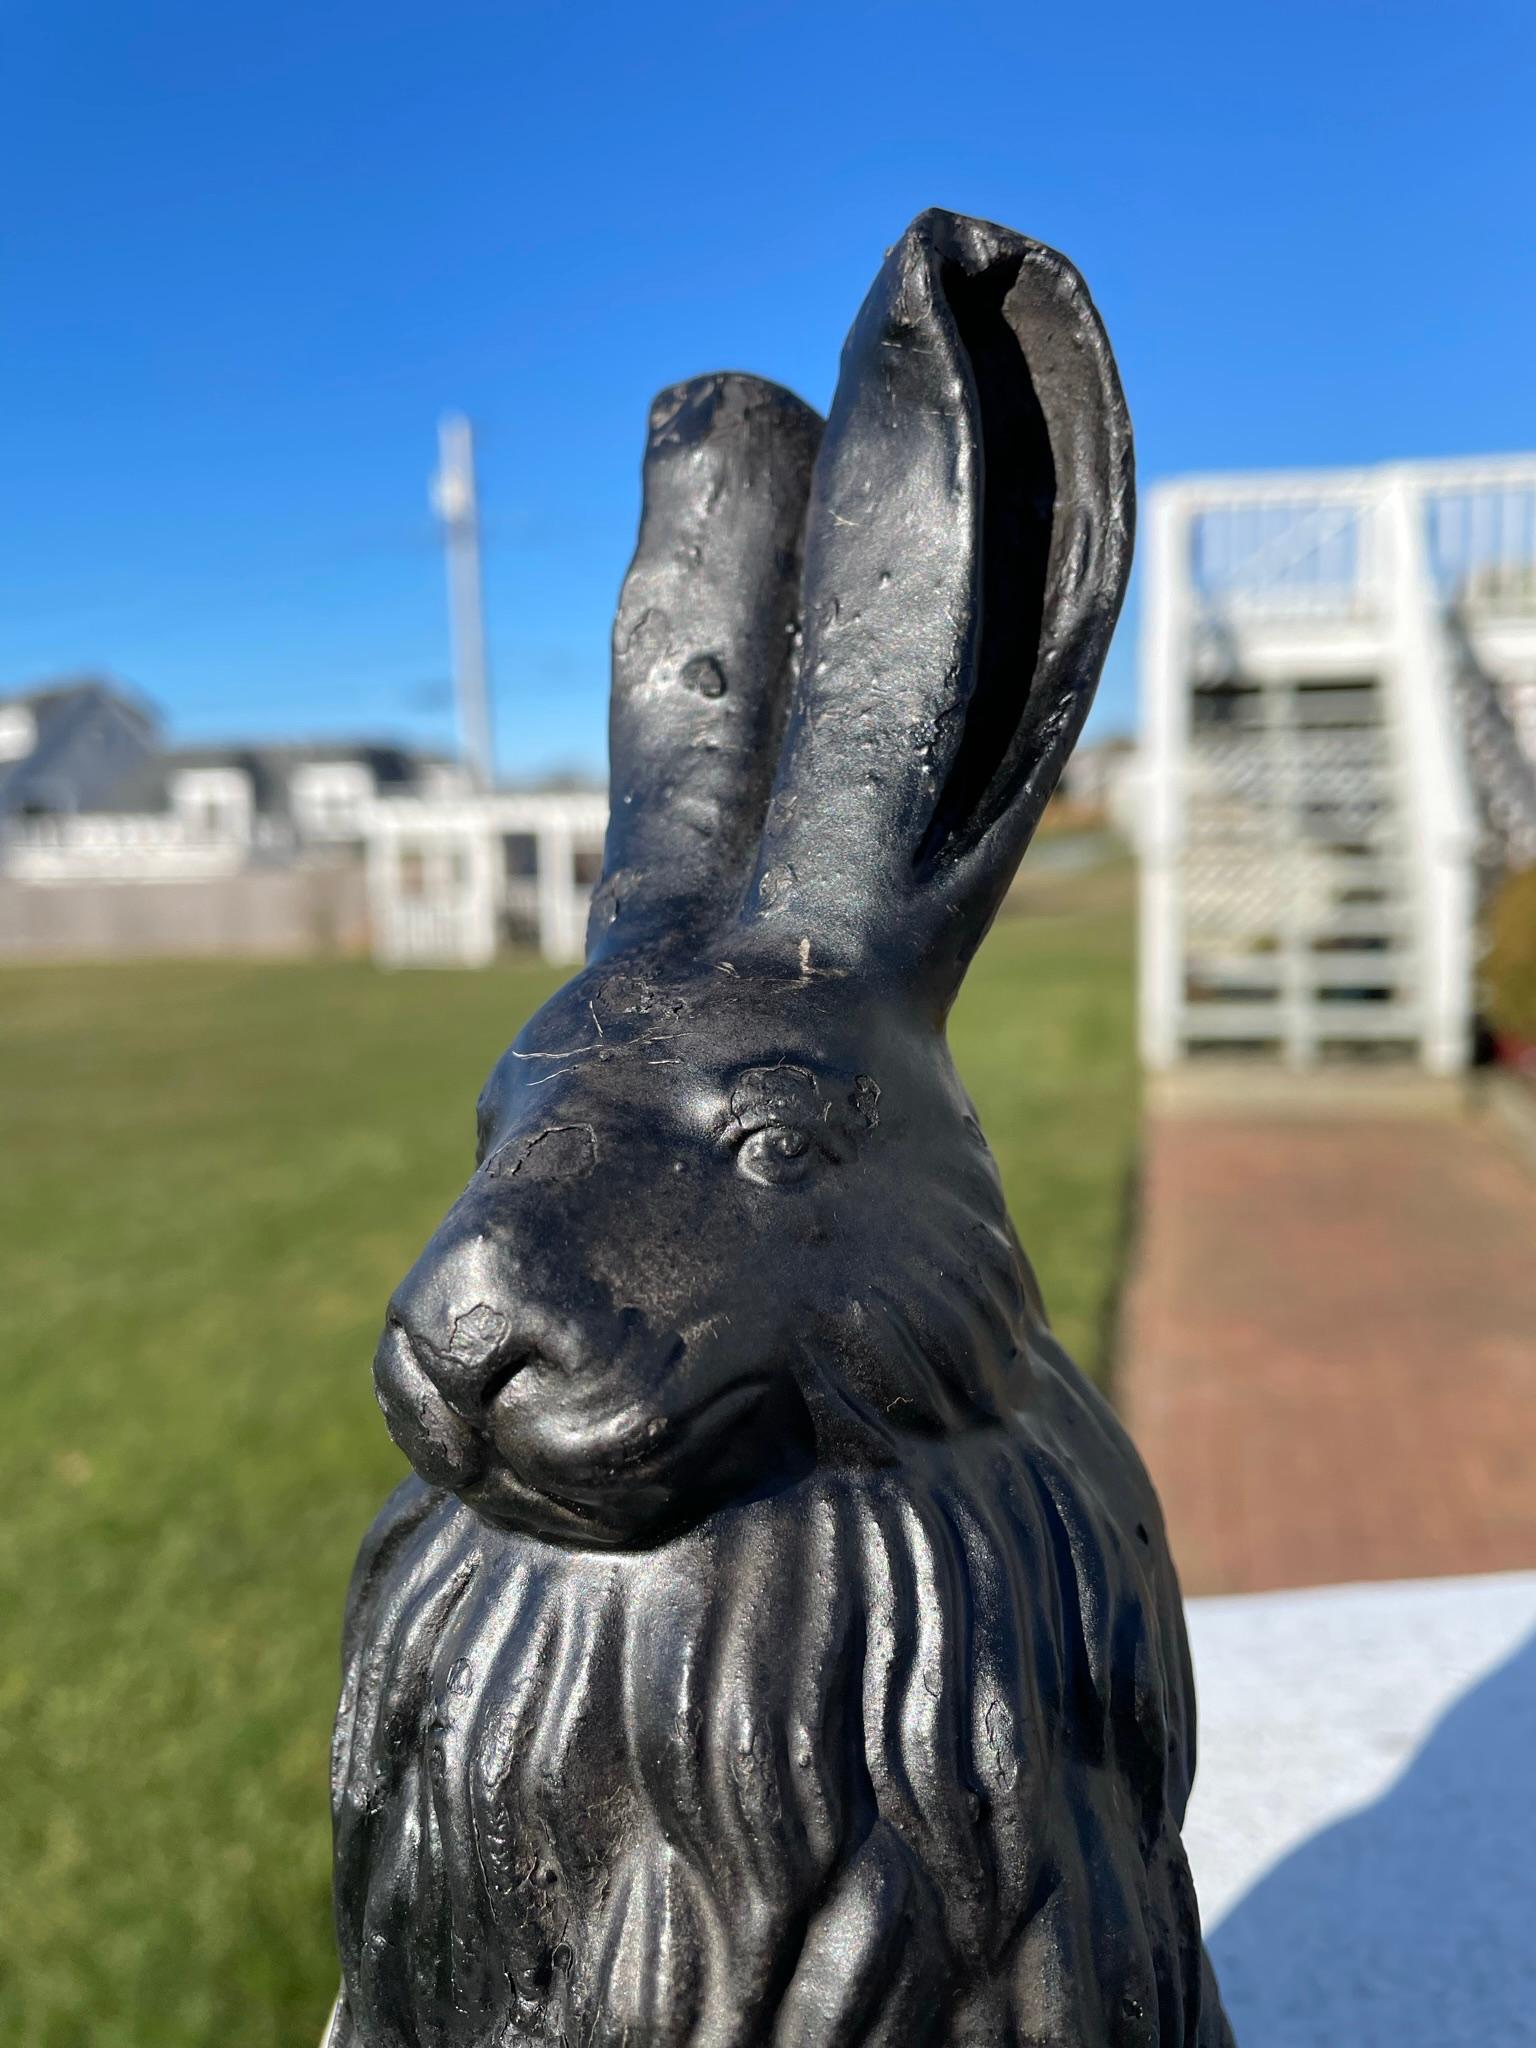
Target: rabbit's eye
x: 775, y: 1156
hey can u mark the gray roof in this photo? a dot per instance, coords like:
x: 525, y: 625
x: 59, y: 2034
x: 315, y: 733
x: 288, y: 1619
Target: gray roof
x: 92, y: 735
x: 99, y: 748
x: 270, y: 763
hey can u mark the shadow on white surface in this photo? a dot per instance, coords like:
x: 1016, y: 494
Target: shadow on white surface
x: 1412, y: 1921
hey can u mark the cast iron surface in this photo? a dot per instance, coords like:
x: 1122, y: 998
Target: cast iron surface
x: 778, y: 1642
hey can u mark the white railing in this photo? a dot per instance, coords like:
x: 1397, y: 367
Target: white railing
x: 1302, y: 543
x: 117, y: 847
x: 1283, y: 548
x: 1481, y: 534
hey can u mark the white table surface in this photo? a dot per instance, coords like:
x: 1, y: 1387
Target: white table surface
x: 1363, y: 1826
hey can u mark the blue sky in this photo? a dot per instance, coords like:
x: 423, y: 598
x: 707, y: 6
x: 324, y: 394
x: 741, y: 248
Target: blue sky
x: 253, y: 251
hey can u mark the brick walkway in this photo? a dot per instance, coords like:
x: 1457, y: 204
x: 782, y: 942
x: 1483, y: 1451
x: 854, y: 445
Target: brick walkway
x: 1329, y: 1355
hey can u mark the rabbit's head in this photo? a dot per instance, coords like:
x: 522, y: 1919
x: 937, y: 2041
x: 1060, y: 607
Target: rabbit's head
x: 732, y: 1212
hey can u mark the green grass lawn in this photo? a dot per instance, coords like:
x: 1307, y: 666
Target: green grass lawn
x: 213, y: 1176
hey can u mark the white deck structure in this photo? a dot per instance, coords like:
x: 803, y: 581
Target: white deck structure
x: 1339, y: 731
x: 451, y: 881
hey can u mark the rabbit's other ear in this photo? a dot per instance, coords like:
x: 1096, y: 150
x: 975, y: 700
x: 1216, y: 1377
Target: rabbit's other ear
x: 967, y: 547
x: 703, y: 654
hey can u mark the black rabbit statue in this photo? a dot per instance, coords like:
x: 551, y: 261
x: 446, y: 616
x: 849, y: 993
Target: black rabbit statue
x: 777, y: 1641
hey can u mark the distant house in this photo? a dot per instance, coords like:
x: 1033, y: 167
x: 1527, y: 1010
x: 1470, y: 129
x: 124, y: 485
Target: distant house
x: 114, y: 843
x: 319, y: 791
x: 68, y: 746
x: 89, y: 787
x: 1093, y: 770
x: 452, y: 881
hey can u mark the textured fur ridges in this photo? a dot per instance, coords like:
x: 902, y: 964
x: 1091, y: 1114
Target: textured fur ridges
x: 549, y: 1765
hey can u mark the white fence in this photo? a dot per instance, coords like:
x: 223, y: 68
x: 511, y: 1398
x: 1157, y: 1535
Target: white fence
x: 451, y: 880
x: 118, y: 847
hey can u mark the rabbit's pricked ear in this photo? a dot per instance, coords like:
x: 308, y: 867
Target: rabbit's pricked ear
x: 967, y: 547
x: 703, y: 653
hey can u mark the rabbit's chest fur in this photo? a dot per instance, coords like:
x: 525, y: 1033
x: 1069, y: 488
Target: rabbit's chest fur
x: 796, y: 1775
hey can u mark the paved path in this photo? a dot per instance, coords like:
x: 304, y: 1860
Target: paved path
x: 1329, y: 1351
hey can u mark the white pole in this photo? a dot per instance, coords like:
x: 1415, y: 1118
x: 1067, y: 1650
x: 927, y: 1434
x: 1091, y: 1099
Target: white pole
x: 560, y: 936
x: 1165, y: 684
x: 456, y: 505
x: 1444, y: 822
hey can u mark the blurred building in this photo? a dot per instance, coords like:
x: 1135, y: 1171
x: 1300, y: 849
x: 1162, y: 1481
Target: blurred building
x: 67, y: 747
x: 451, y: 882
x: 1338, y: 754
x: 114, y: 843
x: 1093, y: 781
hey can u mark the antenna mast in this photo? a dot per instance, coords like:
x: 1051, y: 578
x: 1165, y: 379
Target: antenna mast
x: 455, y: 502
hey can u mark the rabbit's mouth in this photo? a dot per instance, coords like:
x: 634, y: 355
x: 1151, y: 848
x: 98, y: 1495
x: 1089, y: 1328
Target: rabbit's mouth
x: 622, y: 1453
x: 634, y: 1441
x: 635, y: 1473
x: 631, y: 1474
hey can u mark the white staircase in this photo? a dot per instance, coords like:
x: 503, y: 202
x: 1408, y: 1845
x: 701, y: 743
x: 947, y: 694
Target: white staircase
x: 1336, y: 671
x: 1296, y: 882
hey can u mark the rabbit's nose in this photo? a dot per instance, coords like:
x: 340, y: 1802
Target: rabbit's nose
x: 469, y: 1356
x: 438, y: 1441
